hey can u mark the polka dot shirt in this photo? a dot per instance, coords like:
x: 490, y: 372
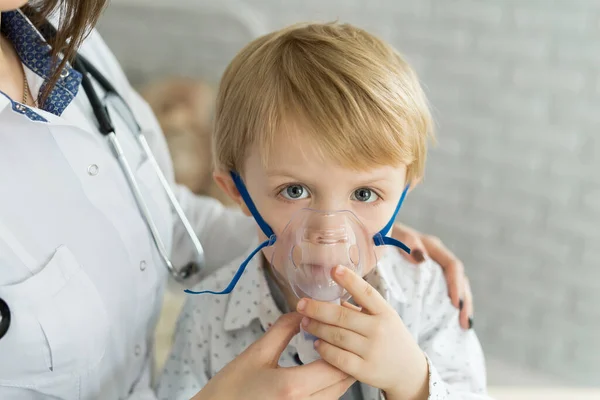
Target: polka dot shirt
x: 214, y: 329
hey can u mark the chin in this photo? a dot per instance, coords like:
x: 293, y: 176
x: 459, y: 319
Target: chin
x: 367, y: 271
x: 10, y: 5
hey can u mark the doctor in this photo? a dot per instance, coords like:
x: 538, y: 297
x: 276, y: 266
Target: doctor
x: 81, y: 268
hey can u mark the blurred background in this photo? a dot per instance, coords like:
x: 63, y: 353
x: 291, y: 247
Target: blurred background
x: 513, y: 188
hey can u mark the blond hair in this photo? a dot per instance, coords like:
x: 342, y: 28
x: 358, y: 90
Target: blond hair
x: 355, y: 97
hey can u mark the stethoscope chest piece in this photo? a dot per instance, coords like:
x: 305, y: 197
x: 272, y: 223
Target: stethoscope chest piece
x: 4, y: 318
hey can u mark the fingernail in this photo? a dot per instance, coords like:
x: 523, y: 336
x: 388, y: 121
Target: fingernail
x: 301, y: 305
x: 317, y: 343
x: 339, y: 270
x: 418, y: 256
x: 470, y: 322
x: 305, y: 322
x: 460, y: 304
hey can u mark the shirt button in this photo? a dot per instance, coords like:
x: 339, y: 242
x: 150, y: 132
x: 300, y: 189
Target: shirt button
x: 142, y: 265
x: 65, y: 72
x: 138, y: 350
x: 93, y: 170
x: 20, y: 107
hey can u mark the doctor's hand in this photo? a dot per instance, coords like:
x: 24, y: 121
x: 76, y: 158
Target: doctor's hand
x: 255, y: 373
x: 423, y: 246
x: 371, y: 344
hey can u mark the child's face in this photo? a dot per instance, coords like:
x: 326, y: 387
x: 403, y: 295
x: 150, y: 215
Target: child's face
x: 296, y: 178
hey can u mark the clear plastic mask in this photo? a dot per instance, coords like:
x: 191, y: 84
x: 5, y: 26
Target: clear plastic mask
x: 313, y: 243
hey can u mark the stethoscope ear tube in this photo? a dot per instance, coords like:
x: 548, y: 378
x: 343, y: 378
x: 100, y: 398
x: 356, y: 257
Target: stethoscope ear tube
x: 107, y: 129
x: 200, y: 262
x: 143, y: 207
x: 4, y: 318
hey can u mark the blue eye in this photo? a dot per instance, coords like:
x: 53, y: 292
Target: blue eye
x: 295, y: 192
x: 364, y: 195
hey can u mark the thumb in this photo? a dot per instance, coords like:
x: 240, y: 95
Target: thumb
x: 270, y: 346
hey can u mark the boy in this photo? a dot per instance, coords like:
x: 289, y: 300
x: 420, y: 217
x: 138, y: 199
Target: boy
x: 327, y: 117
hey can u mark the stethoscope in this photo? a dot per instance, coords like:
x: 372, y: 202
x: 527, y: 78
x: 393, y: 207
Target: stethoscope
x: 107, y: 129
x: 188, y: 273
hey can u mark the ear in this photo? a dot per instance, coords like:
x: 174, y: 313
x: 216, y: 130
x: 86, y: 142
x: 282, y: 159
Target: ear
x: 225, y: 182
x: 414, y: 182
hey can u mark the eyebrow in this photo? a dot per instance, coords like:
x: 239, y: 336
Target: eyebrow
x: 278, y: 173
x: 286, y: 174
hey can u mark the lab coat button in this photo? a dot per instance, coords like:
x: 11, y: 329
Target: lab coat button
x: 138, y: 350
x: 142, y: 265
x: 93, y: 170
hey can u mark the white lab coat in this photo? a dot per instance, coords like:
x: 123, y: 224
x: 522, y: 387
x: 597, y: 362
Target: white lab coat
x: 78, y: 267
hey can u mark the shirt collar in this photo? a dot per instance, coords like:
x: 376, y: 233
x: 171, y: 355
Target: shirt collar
x: 34, y: 53
x: 19, y: 108
x: 253, y: 291
x: 380, y: 278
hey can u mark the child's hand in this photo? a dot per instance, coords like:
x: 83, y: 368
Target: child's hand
x: 372, y: 345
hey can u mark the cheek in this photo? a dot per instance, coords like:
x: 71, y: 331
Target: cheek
x: 375, y: 218
x: 268, y: 254
x: 277, y: 214
x: 375, y: 254
x: 268, y: 251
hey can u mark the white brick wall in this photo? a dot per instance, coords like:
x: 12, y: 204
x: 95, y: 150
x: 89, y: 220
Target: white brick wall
x: 513, y: 187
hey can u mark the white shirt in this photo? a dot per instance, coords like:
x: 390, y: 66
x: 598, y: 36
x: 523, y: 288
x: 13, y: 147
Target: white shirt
x: 213, y: 329
x: 78, y: 267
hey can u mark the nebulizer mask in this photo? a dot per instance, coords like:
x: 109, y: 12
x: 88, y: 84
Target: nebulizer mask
x: 312, y: 244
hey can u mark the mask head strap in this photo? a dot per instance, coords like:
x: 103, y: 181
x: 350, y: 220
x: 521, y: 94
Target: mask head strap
x: 239, y: 272
x: 239, y: 184
x: 380, y: 237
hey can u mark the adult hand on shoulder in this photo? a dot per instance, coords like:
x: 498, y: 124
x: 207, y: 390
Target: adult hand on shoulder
x: 255, y: 374
x: 423, y: 246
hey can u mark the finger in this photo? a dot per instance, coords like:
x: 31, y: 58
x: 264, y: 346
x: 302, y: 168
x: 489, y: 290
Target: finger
x: 417, y: 254
x: 334, y: 314
x: 314, y: 377
x: 363, y: 293
x: 270, y: 346
x: 334, y: 391
x: 340, y: 337
x: 466, y: 314
x: 455, y: 279
x: 342, y: 359
x: 412, y: 239
x: 452, y: 266
x: 351, y: 306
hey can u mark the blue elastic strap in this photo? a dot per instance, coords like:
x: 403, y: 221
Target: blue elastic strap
x: 380, y: 237
x: 239, y: 272
x: 383, y: 240
x: 239, y: 184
